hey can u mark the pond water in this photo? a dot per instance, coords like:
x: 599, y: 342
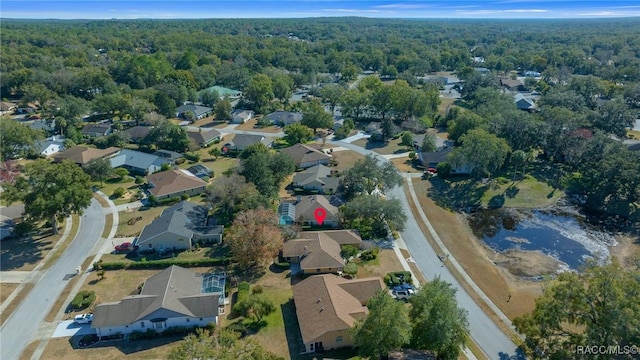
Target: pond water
x: 564, y: 236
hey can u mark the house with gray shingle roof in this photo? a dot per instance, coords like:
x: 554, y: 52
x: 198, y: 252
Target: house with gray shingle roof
x: 173, y: 297
x: 284, y: 118
x: 138, y: 162
x: 327, y: 307
x: 179, y: 227
x: 204, y: 138
x: 96, y: 130
x: 318, y: 252
x: 316, y: 178
x: 307, y: 206
x: 198, y: 111
x: 242, y: 141
x: 242, y: 116
x: 306, y: 156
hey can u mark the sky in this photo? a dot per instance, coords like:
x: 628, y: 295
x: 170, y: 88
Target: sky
x: 158, y: 9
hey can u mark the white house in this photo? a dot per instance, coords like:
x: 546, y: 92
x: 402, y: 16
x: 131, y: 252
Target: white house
x: 242, y: 116
x: 172, y: 297
x: 51, y: 145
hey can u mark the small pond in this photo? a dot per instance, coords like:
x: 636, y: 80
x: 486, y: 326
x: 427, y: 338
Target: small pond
x: 563, y: 235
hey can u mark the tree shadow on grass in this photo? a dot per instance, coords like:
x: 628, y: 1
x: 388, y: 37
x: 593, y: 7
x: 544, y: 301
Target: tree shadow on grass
x: 126, y: 346
x: 18, y: 252
x: 457, y: 193
x: 292, y: 329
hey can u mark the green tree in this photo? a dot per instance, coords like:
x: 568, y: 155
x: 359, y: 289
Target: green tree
x: 428, y: 143
x: 99, y: 169
x: 614, y: 117
x: 16, y: 140
x: 256, y: 306
x: 265, y: 169
x: 518, y: 158
x: 168, y: 136
x: 259, y: 92
x: 368, y: 213
x: 282, y: 85
x: 331, y: 94
x: 439, y: 325
x: 386, y: 328
x: 51, y: 191
x: 215, y: 152
x: 231, y: 194
x: 368, y: 176
x: 223, y: 344
x: 407, y: 139
x: 481, y: 151
x: 255, y: 237
x: 598, y: 305
x: 165, y: 104
x: 223, y: 110
x: 315, y: 117
x: 297, y: 133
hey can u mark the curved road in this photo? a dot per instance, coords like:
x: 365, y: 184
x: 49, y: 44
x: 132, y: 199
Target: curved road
x: 489, y: 337
x: 20, y: 328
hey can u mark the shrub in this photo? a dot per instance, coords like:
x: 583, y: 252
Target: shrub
x: 370, y: 254
x: 83, y: 299
x: 257, y: 289
x: 444, y: 169
x: 350, y: 268
x: 348, y: 251
x: 184, y: 196
x: 243, y: 293
x: 117, y: 193
x: 195, y: 157
x: 139, y: 335
x: 206, y: 178
x: 139, y: 180
x: 162, y: 264
x: 399, y: 278
x: 121, y: 173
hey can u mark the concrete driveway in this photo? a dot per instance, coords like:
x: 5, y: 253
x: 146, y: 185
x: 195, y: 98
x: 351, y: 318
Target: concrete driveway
x: 67, y: 329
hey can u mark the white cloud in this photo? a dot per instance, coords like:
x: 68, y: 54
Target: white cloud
x: 403, y: 6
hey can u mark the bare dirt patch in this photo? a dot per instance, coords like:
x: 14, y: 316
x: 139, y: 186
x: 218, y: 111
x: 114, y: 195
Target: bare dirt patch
x: 527, y: 263
x: 628, y: 250
x: 477, y: 260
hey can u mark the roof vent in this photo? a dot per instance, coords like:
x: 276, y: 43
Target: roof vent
x: 321, y: 310
x: 319, y: 300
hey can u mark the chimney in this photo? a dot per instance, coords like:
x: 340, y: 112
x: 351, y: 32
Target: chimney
x: 305, y: 252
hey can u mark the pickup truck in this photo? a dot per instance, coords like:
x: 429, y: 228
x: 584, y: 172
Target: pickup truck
x: 83, y: 319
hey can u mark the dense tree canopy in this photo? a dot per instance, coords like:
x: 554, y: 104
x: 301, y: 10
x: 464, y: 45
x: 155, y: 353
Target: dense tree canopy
x: 16, y: 140
x: 368, y: 176
x: 596, y: 306
x: 52, y: 191
x: 254, y: 238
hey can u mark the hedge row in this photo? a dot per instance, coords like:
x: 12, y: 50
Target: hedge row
x: 243, y: 292
x: 152, y: 334
x: 395, y: 278
x: 161, y: 264
x: 83, y: 299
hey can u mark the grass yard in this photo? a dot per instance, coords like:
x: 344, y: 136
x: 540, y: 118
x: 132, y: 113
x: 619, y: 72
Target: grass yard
x: 66, y: 348
x: 444, y: 104
x: 386, y: 262
x: 215, y: 251
x: 24, y: 254
x: 147, y: 214
x: 525, y: 193
x: 405, y: 165
x: 391, y: 147
x: 109, y: 186
x: 251, y: 126
x: 346, y: 159
x: 6, y: 289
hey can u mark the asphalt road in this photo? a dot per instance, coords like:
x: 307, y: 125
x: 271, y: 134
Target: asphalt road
x: 494, y: 343
x: 19, y: 330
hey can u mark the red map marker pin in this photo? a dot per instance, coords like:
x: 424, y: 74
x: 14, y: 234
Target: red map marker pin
x: 320, y: 214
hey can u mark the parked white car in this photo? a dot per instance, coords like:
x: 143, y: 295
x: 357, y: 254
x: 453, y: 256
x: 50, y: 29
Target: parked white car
x: 83, y: 319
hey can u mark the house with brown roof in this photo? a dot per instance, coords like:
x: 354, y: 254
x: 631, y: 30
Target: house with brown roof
x: 169, y: 183
x: 204, y: 138
x: 318, y: 252
x: 327, y: 306
x: 306, y: 207
x: 170, y: 298
x: 7, y: 107
x: 82, y: 155
x: 138, y: 132
x: 306, y: 156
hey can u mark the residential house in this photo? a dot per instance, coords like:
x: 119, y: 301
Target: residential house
x: 200, y: 171
x: 242, y: 141
x: 169, y: 155
x: 198, y: 111
x: 7, y: 108
x: 431, y: 159
x: 46, y: 126
x: 306, y: 156
x: 375, y: 130
x: 173, y: 297
x: 512, y: 85
x: 242, y: 116
x: 82, y: 155
x: 222, y: 92
x: 204, y: 138
x: 317, y: 178
x: 9, y: 217
x: 307, y: 206
x: 96, y: 130
x: 179, y: 227
x: 327, y: 307
x: 526, y: 103
x: 138, y: 162
x: 51, y: 145
x: 170, y: 183
x: 318, y: 252
x: 137, y: 133
x: 284, y: 118
x: 28, y: 108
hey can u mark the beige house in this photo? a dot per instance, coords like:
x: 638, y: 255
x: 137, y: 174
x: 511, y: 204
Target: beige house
x: 318, y: 252
x: 82, y: 155
x: 169, y: 183
x: 306, y: 207
x: 327, y: 306
x: 306, y: 156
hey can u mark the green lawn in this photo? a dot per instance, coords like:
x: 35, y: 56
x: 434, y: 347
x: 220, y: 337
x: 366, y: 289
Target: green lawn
x: 525, y: 193
x: 107, y: 187
x: 391, y: 147
x: 147, y: 214
x: 201, y: 253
